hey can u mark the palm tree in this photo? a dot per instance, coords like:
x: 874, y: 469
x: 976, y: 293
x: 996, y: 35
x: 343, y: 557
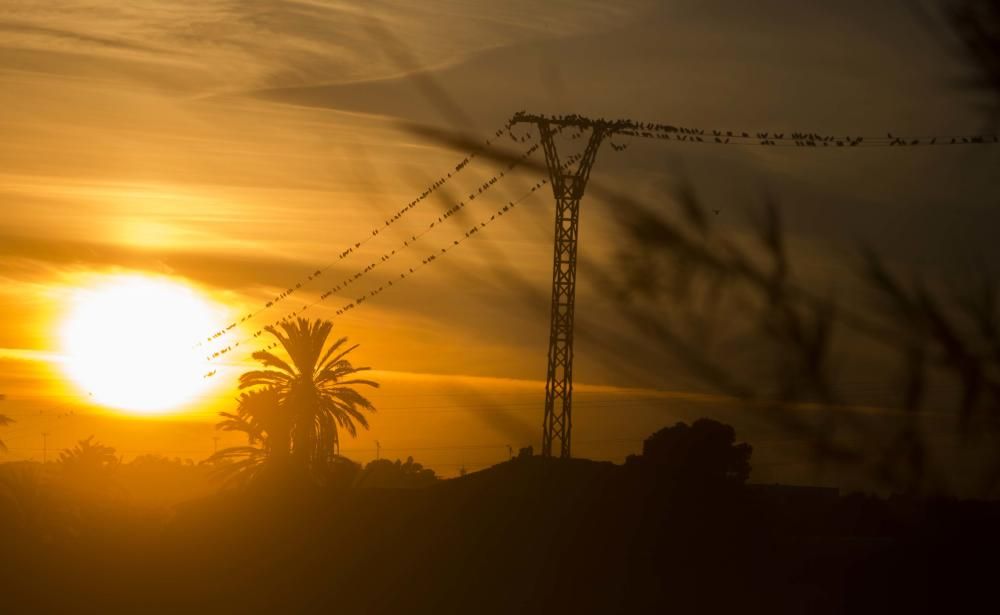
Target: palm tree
x: 4, y: 421
x: 293, y: 411
x: 259, y: 416
x: 89, y: 459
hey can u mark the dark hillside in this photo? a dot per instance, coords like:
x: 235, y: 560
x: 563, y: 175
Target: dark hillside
x: 530, y: 535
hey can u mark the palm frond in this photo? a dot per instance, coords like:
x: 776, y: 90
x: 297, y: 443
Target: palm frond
x: 352, y: 398
x: 355, y: 414
x: 325, y: 360
x: 267, y: 378
x: 237, y: 463
x: 235, y: 451
x: 234, y: 422
x: 304, y: 341
x: 283, y: 340
x: 296, y: 406
x: 269, y: 359
x: 343, y: 383
x: 335, y: 373
x: 318, y: 335
x: 346, y: 423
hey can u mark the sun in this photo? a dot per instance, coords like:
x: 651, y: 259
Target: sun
x: 128, y: 342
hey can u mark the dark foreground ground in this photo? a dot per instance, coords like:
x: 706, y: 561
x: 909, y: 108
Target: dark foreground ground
x: 525, y: 536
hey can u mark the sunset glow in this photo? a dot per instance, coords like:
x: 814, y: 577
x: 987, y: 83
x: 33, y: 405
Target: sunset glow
x: 129, y: 343
x: 516, y: 306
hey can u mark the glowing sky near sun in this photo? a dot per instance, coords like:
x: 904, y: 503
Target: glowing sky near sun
x: 130, y: 343
x: 235, y: 146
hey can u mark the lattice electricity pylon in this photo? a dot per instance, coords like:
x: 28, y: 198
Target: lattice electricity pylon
x: 567, y: 187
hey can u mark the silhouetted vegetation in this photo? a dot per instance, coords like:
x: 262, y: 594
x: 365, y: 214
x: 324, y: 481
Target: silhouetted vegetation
x: 705, y: 451
x: 686, y: 275
x: 396, y: 475
x: 691, y: 286
x: 528, y: 535
x: 292, y: 413
x: 321, y: 533
x: 793, y: 376
x: 89, y: 460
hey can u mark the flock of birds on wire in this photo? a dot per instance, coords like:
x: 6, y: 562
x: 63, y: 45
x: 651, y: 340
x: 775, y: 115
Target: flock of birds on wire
x: 668, y: 132
x: 388, y: 255
x: 608, y: 128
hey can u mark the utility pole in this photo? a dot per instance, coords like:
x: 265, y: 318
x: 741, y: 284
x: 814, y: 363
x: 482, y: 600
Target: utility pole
x: 378, y: 450
x: 567, y: 187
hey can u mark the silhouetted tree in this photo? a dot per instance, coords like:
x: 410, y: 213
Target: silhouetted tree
x: 153, y: 460
x: 341, y: 472
x: 24, y: 503
x: 385, y: 473
x: 294, y: 410
x: 259, y: 416
x: 696, y: 268
x: 680, y: 279
x: 89, y: 460
x: 703, y: 451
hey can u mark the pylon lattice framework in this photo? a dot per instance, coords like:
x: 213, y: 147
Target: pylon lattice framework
x: 568, y: 188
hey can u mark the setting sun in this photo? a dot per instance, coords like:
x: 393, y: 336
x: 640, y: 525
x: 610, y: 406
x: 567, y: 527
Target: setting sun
x: 128, y: 341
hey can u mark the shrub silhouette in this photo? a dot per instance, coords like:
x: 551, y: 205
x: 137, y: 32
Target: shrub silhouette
x: 703, y: 451
x: 89, y: 460
x: 385, y: 473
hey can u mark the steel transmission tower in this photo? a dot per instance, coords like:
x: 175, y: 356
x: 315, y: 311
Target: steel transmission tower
x: 567, y: 186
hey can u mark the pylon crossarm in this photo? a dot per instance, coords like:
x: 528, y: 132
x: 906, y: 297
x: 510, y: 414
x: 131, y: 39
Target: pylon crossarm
x: 575, y: 121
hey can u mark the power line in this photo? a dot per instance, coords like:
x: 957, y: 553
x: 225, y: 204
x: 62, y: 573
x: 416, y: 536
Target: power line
x: 388, y: 255
x: 568, y: 189
x: 505, y: 408
x: 424, y: 262
x: 804, y: 139
x: 431, y: 189
x: 607, y: 128
x: 807, y: 140
x: 483, y: 188
x: 429, y: 259
x: 432, y: 257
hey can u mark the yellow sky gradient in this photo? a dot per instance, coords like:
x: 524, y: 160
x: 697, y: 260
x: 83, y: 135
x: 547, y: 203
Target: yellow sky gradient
x: 133, y: 143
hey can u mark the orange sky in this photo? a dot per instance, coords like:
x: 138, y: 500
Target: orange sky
x: 237, y: 145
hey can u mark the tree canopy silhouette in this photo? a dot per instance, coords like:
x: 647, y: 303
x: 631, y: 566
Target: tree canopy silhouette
x: 706, y: 450
x: 89, y: 460
x: 384, y: 473
x: 292, y: 411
